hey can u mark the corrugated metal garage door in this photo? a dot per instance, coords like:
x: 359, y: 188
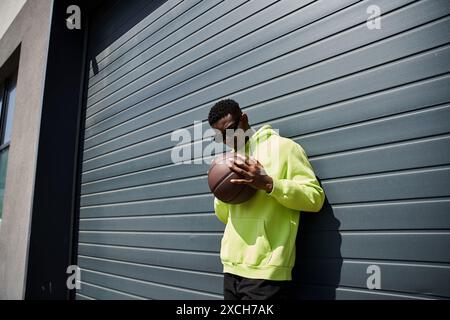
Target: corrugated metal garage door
x: 370, y: 107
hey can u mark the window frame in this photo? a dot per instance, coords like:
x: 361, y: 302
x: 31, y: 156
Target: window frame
x: 5, y: 87
x: 3, y: 93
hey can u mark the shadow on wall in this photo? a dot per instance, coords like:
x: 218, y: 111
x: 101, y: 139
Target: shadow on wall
x: 113, y: 19
x: 317, y: 271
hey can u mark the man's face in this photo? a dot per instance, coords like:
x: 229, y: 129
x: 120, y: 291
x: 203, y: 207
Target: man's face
x: 230, y: 131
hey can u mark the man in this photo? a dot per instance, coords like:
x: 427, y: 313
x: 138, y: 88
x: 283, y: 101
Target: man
x: 258, y: 245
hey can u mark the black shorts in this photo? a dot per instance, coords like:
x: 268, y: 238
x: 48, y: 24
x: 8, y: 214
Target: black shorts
x: 239, y: 288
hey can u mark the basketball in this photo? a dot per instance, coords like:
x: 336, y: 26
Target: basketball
x: 219, y: 177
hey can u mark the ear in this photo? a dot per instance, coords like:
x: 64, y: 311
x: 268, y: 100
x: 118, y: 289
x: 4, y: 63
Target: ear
x: 244, y: 120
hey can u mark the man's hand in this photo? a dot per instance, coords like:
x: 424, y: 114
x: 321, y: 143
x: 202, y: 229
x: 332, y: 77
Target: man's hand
x: 252, y: 171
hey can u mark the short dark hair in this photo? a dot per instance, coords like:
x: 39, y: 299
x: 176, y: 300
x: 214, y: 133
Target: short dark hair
x: 222, y: 109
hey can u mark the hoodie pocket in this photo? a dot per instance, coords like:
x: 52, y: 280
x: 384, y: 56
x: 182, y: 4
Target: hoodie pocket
x: 245, y: 242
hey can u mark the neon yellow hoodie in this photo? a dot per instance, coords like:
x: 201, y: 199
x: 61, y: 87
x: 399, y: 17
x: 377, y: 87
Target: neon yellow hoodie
x: 259, y: 237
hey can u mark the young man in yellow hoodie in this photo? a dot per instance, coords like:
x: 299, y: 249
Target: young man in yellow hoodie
x: 258, y: 245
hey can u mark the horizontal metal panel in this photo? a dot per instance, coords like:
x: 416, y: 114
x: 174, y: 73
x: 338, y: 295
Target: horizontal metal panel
x: 399, y: 246
x: 189, y: 222
x: 385, y: 215
x: 144, y: 28
x: 121, y: 71
x: 390, y: 186
x: 398, y: 215
x: 262, y: 73
x: 246, y: 77
x: 189, y: 186
x: 191, y: 204
x: 427, y: 152
x: 145, y: 289
x: 341, y: 293
x: 352, y: 294
x: 400, y: 99
x: 252, y: 15
x: 202, y: 43
x: 102, y: 293
x: 255, y: 55
x: 181, y: 278
x: 148, y: 161
x: 409, y: 184
x: 168, y: 75
x: 398, y: 156
x: 358, y: 16
x: 207, y: 242
x: 196, y: 261
x: 113, y: 20
x: 413, y: 125
x: 161, y: 22
x: 410, y: 97
x: 143, y: 177
x: 428, y: 246
x: 426, y: 279
x: 82, y: 297
x: 433, y: 121
x: 407, y: 70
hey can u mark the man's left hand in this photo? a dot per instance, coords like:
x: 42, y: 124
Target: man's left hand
x: 252, y: 172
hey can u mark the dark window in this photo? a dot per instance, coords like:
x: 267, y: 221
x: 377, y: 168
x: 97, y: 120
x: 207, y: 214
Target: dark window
x: 7, y: 101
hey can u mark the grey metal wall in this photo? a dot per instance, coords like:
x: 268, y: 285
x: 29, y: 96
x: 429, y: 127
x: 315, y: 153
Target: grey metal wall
x: 370, y: 107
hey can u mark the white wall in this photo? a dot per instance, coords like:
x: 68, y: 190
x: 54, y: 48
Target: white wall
x: 8, y: 11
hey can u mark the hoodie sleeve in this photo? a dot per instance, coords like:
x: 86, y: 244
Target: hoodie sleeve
x: 300, y: 190
x: 221, y: 210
